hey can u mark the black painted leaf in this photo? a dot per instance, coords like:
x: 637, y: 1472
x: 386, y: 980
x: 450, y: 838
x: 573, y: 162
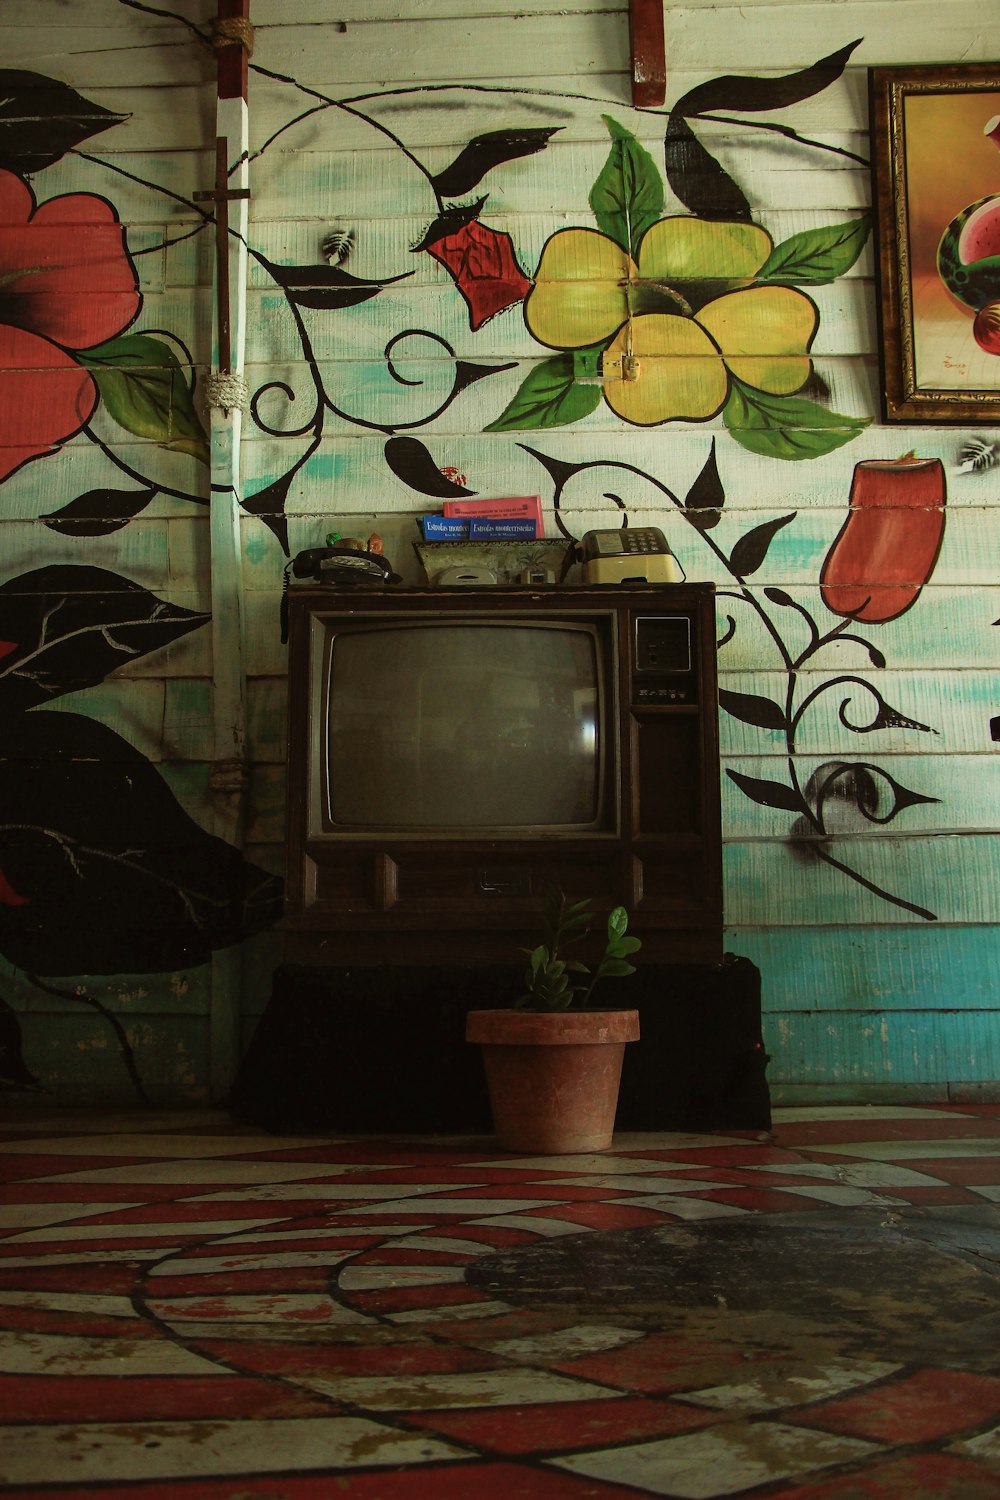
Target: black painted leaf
x: 41, y: 119
x: 751, y: 549
x: 734, y: 91
x: 112, y: 875
x: 561, y: 471
x: 486, y: 151
x: 99, y: 512
x: 64, y: 628
x: 704, y: 500
x: 467, y: 372
x: 449, y: 221
x: 326, y: 287
x: 412, y: 462
x: 767, y: 793
x: 752, y: 709
x: 13, y: 1073
x: 696, y: 178
x: 778, y: 596
x: 268, y: 505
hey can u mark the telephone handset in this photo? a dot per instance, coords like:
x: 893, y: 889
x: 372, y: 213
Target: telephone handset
x: 341, y: 566
x: 629, y: 554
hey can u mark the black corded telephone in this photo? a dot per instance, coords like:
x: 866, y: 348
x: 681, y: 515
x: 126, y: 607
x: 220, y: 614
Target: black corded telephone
x: 342, y: 566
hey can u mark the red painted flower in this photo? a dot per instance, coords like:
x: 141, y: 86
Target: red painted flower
x: 887, y: 548
x: 485, y: 269
x: 66, y: 284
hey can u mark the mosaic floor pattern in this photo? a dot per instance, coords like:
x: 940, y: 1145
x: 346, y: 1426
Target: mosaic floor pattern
x: 196, y: 1310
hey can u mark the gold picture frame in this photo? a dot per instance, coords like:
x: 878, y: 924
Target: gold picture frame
x: 935, y: 168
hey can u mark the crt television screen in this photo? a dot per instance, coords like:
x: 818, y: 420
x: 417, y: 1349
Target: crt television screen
x: 466, y: 725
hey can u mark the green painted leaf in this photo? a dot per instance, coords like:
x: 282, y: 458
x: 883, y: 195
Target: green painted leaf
x: 786, y: 426
x: 817, y: 255
x: 549, y: 397
x: 628, y: 194
x: 144, y: 389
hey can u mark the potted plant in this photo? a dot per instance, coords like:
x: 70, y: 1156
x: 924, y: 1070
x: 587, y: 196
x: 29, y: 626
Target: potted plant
x: 553, y: 1064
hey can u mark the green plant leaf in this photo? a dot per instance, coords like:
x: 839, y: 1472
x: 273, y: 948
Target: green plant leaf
x: 628, y: 194
x: 144, y: 389
x: 786, y: 426
x: 816, y: 256
x: 618, y: 922
x: 616, y: 968
x: 550, y: 396
x: 536, y: 959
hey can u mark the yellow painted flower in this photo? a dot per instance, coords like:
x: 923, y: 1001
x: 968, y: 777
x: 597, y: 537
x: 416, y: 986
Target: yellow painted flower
x: 678, y: 323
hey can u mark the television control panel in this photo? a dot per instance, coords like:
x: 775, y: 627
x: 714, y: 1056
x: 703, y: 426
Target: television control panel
x: 664, y: 661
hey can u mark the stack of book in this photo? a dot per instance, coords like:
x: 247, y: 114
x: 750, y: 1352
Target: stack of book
x: 516, y: 519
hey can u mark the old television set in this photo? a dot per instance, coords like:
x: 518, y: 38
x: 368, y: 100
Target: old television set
x: 452, y: 753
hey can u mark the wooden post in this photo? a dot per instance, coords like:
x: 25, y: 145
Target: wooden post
x: 221, y: 195
x: 230, y: 772
x: 649, y: 63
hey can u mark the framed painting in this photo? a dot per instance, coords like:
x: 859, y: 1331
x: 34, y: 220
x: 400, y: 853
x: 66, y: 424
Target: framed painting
x: 936, y: 188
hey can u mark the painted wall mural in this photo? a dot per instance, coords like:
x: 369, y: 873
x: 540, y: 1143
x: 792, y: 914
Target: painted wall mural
x: 664, y: 302
x: 663, y: 316
x: 666, y: 317
x: 101, y: 870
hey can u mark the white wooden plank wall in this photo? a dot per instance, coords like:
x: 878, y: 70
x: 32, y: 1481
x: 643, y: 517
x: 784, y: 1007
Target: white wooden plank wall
x: 422, y: 77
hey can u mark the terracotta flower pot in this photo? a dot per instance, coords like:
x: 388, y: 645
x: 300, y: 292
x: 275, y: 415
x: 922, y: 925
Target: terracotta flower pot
x: 553, y: 1076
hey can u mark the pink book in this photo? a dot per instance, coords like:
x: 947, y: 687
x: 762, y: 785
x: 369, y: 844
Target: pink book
x: 529, y: 506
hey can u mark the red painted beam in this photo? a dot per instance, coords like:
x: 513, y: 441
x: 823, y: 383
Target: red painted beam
x: 232, y: 59
x: 649, y: 61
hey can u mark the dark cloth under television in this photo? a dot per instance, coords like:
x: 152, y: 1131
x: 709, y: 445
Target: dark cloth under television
x: 383, y: 1049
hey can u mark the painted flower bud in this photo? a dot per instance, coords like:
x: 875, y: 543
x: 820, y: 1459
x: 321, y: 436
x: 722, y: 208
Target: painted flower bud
x: 887, y: 547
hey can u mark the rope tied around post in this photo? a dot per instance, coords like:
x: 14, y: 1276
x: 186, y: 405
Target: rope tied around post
x: 227, y: 390
x: 232, y: 31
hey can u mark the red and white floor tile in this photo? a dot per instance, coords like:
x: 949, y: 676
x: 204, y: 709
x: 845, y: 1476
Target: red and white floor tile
x: 191, y: 1310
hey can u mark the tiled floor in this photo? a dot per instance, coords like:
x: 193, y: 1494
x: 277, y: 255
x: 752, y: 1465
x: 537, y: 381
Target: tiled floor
x: 809, y: 1315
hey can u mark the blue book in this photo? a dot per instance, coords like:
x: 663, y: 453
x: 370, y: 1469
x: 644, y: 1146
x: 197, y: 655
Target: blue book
x: 510, y: 529
x: 445, y: 528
